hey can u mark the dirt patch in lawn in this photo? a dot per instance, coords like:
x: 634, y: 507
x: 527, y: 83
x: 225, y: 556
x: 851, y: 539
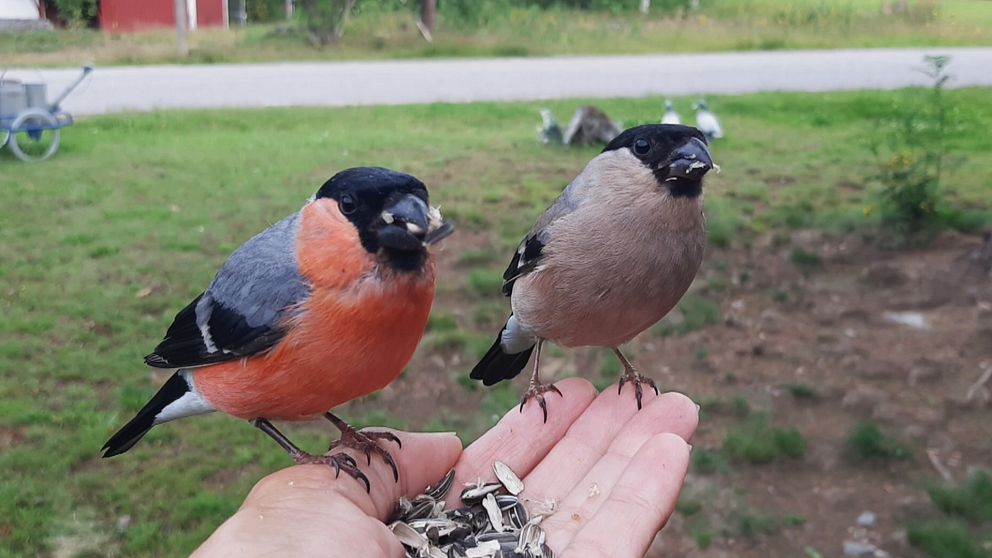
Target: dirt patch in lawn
x: 844, y: 333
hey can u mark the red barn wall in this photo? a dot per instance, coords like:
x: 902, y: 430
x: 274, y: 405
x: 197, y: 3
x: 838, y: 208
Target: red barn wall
x: 211, y: 13
x: 129, y: 15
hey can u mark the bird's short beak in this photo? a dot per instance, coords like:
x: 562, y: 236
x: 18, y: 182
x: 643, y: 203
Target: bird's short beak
x: 405, y: 224
x: 691, y: 161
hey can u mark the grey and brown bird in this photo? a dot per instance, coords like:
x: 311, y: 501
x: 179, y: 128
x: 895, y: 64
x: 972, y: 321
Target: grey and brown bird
x: 707, y: 122
x: 671, y: 116
x: 549, y: 133
x: 611, y: 256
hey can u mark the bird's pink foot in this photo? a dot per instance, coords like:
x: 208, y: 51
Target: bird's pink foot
x: 537, y: 391
x: 340, y: 461
x: 636, y: 378
x: 366, y: 442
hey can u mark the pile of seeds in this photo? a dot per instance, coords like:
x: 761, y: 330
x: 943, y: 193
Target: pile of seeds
x: 491, y: 523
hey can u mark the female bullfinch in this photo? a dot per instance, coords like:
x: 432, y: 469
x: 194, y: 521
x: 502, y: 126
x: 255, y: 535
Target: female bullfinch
x: 322, y: 307
x: 610, y: 257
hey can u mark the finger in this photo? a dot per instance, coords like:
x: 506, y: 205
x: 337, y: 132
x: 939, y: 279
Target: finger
x: 586, y: 441
x: 424, y: 459
x: 522, y: 439
x: 638, y: 506
x: 670, y: 412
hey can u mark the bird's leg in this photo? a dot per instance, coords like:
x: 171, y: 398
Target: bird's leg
x: 536, y: 389
x: 630, y: 374
x: 364, y: 442
x: 340, y: 461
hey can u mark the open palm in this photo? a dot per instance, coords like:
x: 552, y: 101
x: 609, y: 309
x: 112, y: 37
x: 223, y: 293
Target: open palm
x: 614, y: 472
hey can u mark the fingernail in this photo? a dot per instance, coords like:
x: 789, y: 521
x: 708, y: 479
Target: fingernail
x: 690, y: 447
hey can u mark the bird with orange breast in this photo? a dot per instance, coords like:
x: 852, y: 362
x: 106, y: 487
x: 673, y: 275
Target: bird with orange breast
x: 323, y: 307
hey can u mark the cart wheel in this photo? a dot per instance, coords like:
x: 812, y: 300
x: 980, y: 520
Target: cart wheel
x: 4, y: 136
x: 34, y: 136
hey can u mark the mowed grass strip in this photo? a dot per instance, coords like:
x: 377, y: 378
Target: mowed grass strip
x: 100, y: 246
x: 495, y: 28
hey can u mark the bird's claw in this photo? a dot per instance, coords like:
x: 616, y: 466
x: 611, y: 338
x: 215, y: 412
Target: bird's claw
x: 340, y: 461
x: 537, y: 391
x: 366, y: 443
x: 637, y: 379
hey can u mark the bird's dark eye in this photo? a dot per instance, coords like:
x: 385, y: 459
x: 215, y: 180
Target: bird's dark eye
x: 641, y: 146
x: 347, y: 204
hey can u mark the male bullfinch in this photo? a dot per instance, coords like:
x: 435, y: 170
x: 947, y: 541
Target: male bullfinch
x: 611, y: 256
x: 322, y: 307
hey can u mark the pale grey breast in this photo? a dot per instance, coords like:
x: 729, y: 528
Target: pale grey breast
x: 615, y: 264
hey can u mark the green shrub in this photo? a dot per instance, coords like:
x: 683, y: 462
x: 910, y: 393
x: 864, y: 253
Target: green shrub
x: 324, y: 20
x: 485, y: 281
x: 737, y: 406
x: 805, y: 261
x: 945, y: 539
x: 911, y: 200
x: 77, y: 13
x: 751, y: 523
x: 867, y: 442
x: 264, y: 10
x: 708, y: 462
x: 801, y: 391
x: 703, y: 536
x: 757, y: 441
x: 441, y: 321
x: 972, y: 500
x: 697, y: 312
x: 688, y: 507
x: 794, y: 520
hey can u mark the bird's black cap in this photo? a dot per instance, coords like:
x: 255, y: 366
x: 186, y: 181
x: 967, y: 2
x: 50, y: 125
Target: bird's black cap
x: 662, y: 148
x: 363, y: 193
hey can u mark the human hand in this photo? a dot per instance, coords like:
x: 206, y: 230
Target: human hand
x: 636, y: 460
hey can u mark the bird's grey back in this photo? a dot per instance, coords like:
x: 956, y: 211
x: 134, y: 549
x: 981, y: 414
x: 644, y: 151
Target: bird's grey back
x: 262, y: 277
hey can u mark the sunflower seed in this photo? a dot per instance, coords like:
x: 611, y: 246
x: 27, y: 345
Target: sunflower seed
x: 492, y: 522
x: 408, y: 535
x: 506, y: 502
x: 495, y: 514
x: 508, y: 478
x: 517, y: 516
x: 498, y: 537
x: 474, y: 493
x: 442, y: 488
x: 486, y: 549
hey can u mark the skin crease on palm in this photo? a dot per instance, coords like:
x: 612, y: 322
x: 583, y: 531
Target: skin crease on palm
x: 615, y: 473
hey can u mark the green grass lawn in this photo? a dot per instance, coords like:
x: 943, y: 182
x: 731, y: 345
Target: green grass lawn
x: 719, y: 25
x: 100, y: 246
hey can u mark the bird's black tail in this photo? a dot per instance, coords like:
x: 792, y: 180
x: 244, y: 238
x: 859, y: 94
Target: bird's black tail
x: 498, y: 365
x: 126, y: 437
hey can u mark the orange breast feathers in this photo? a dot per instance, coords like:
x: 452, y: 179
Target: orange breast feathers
x: 354, y: 336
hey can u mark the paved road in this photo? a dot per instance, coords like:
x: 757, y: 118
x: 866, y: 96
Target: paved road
x: 116, y: 89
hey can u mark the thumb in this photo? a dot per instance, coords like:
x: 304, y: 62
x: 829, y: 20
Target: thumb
x: 308, y: 510
x: 423, y: 459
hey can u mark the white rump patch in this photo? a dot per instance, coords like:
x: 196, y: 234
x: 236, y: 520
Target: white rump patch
x: 191, y: 403
x: 515, y: 339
